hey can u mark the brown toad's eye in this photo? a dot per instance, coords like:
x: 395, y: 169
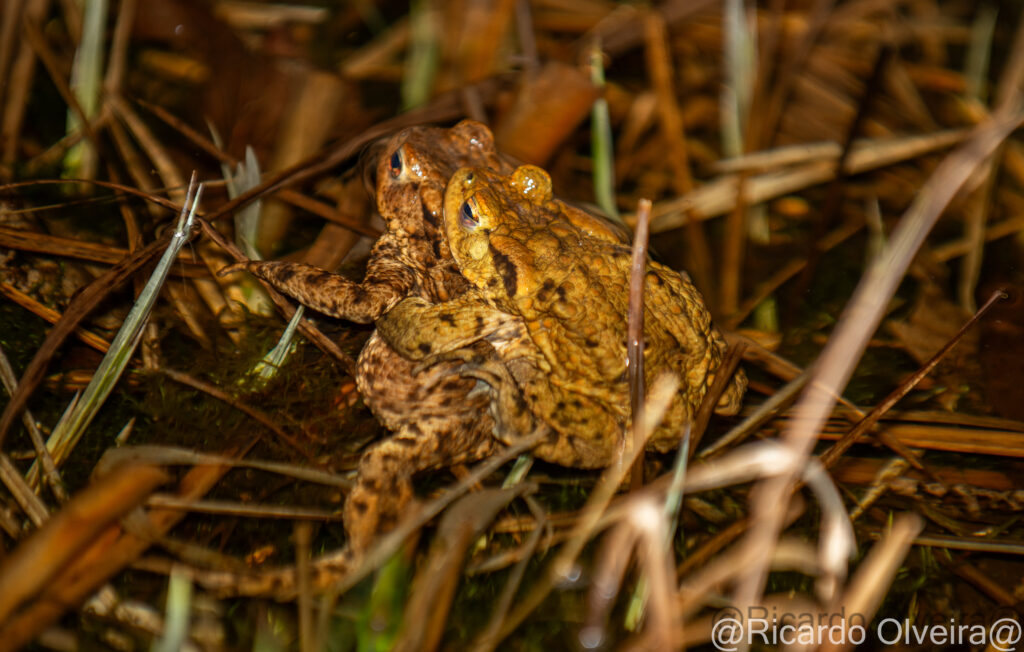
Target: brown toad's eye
x: 466, y: 216
x: 396, y: 164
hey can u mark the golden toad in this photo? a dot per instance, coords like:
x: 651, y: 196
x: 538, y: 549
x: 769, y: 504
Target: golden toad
x: 550, y: 293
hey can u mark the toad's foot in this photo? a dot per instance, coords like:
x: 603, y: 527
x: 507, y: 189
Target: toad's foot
x: 281, y: 583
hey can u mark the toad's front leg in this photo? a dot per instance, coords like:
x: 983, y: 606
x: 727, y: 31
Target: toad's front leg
x: 419, y: 330
x: 387, y: 281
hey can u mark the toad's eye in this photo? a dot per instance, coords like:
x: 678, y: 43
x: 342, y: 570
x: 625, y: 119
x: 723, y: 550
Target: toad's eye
x: 396, y: 164
x: 466, y: 216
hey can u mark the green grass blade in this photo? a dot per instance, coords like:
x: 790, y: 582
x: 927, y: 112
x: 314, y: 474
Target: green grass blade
x: 601, y: 140
x: 979, y: 51
x: 267, y: 368
x: 739, y: 49
x: 247, y: 226
x: 178, y: 612
x: 86, y: 82
x: 423, y: 57
x: 247, y: 220
x: 70, y: 429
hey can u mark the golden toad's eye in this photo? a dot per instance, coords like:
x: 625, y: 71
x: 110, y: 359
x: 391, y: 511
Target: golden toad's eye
x: 466, y: 216
x: 396, y: 164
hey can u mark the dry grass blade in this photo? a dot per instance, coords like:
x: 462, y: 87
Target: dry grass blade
x: 52, y: 316
x: 635, y: 336
x: 967, y: 544
x: 1007, y: 94
x: 957, y: 439
x: 168, y: 455
x: 989, y: 586
x: 328, y: 212
x: 487, y: 638
x: 157, y: 153
x: 117, y: 64
x: 672, y: 128
x: 257, y: 415
x: 779, y: 157
x: 956, y: 248
x: 719, y: 196
x: 82, y: 304
x: 19, y: 80
x: 95, y: 564
x: 434, y: 586
x: 121, y: 188
x: 444, y: 108
x: 761, y: 415
x: 7, y: 30
x: 81, y: 249
x: 303, y: 545
x: 868, y: 586
x: 76, y: 419
x: 974, y: 235
x: 851, y: 335
x: 670, y: 119
x: 292, y: 197
x: 14, y: 481
x: 226, y: 508
x: 561, y: 567
x: 830, y: 456
x: 39, y: 558
x: 22, y: 494
x: 340, y: 570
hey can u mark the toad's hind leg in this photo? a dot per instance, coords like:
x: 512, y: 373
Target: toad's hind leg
x: 438, y: 421
x: 582, y: 433
x: 383, y: 490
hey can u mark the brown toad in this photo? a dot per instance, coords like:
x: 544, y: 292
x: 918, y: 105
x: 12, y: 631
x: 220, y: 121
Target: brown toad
x: 551, y: 296
x: 436, y: 418
x: 411, y: 257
